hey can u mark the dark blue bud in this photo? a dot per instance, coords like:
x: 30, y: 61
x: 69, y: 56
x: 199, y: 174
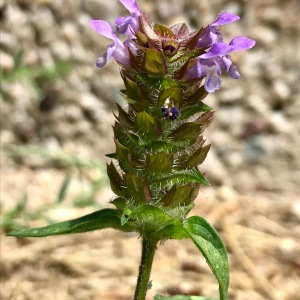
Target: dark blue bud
x: 174, y: 113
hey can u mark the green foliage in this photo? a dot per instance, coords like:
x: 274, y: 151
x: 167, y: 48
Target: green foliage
x: 212, y: 248
x: 148, y: 220
x: 208, y: 242
x: 105, y: 218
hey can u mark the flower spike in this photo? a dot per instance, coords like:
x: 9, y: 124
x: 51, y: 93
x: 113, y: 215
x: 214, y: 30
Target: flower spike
x: 167, y: 73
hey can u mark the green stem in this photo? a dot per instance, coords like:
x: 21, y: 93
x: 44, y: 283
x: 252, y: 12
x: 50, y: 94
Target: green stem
x: 148, y: 252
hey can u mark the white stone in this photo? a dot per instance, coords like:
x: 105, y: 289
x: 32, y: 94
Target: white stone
x: 8, y: 40
x: 101, y: 9
x: 6, y: 61
x: 264, y: 35
x: 279, y: 122
x: 61, y: 50
x: 281, y: 89
x: 92, y: 105
x: 70, y: 32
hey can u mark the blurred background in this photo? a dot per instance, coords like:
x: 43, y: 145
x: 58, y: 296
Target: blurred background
x: 56, y: 118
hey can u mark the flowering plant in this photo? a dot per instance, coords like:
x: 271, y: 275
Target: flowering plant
x: 159, y: 141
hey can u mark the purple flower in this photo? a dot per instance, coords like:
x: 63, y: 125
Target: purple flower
x: 124, y: 25
x: 211, y: 33
x: 129, y: 25
x: 211, y: 63
x: 117, y: 50
x: 216, y: 58
x: 237, y: 44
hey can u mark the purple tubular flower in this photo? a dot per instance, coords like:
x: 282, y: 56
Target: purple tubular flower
x: 216, y: 58
x: 211, y: 34
x: 128, y: 25
x: 210, y: 64
x: 117, y: 50
x: 237, y: 44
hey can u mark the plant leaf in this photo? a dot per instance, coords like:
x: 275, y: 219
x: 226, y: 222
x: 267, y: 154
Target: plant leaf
x: 211, y: 246
x: 208, y: 242
x: 144, y: 124
x: 190, y: 161
x: 153, y: 62
x: 192, y: 176
x: 189, y: 111
x: 135, y: 189
x: 180, y: 195
x: 116, y: 181
x: 101, y: 219
x: 187, y: 132
x: 160, y: 162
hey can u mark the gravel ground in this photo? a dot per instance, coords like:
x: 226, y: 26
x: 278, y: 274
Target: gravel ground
x: 53, y: 97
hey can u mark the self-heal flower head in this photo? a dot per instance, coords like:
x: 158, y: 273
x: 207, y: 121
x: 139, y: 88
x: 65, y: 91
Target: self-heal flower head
x: 117, y: 50
x: 178, y: 52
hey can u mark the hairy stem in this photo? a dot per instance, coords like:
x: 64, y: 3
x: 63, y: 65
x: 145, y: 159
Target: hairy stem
x: 148, y: 252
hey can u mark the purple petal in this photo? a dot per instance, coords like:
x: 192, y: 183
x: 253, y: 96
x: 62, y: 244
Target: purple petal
x: 217, y: 49
x: 226, y: 59
x: 116, y: 50
x: 110, y: 51
x: 241, y: 43
x: 127, y: 25
x: 131, y: 45
x: 174, y: 113
x: 101, y: 61
x: 225, y: 18
x: 212, y: 80
x: 103, y: 28
x: 237, y: 44
x: 121, y: 55
x: 132, y: 7
x: 205, y: 39
x: 196, y: 71
x: 121, y: 24
x: 234, y: 73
